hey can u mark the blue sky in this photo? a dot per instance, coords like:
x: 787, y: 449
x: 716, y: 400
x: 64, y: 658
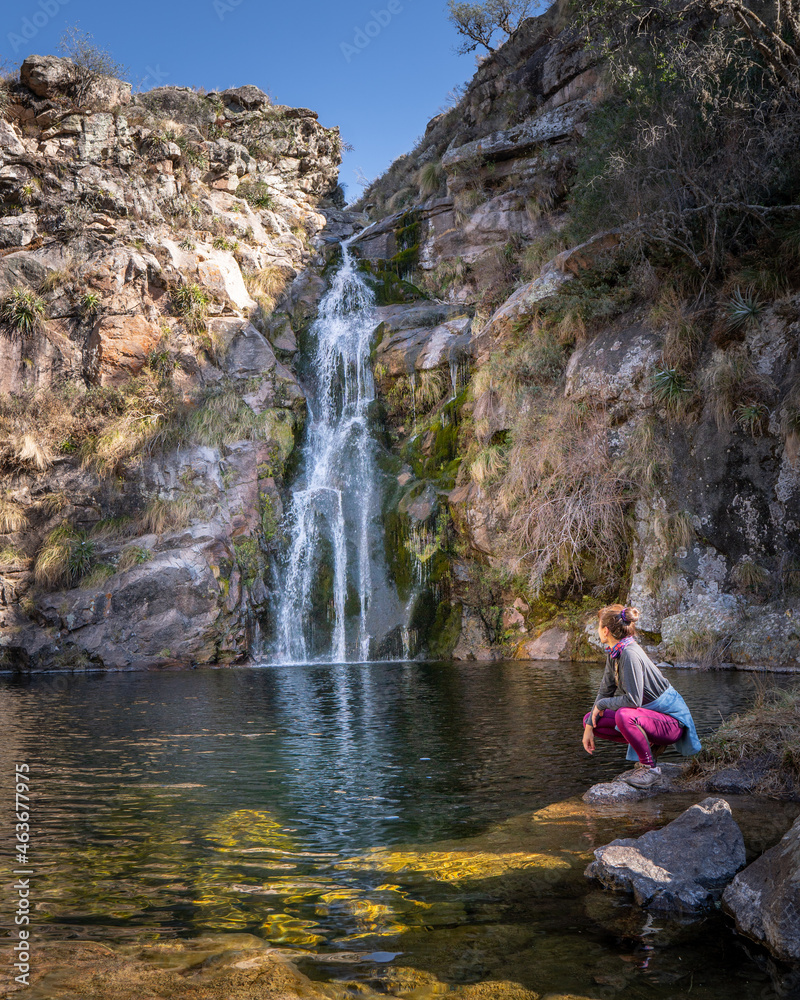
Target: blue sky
x: 380, y: 79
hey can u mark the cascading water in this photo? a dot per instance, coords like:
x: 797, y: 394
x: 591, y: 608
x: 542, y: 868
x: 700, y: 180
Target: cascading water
x: 333, y: 507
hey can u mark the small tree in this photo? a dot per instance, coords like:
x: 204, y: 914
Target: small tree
x: 91, y: 63
x: 479, y: 22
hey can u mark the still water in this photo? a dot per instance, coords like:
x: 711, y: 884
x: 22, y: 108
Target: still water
x: 364, y: 817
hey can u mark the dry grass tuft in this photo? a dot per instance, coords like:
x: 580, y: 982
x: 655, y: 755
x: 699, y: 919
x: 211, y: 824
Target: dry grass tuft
x: 161, y: 515
x: 732, y: 381
x: 12, y: 517
x: 266, y: 285
x: 764, y: 741
x: 683, y: 336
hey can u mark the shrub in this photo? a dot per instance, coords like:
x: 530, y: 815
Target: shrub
x: 64, y: 558
x: 191, y: 303
x: 751, y: 417
x: 257, y: 194
x: 749, y: 577
x: 90, y: 304
x: 90, y: 63
x: 223, y: 243
x: 22, y: 311
x: 488, y: 464
x: 248, y: 558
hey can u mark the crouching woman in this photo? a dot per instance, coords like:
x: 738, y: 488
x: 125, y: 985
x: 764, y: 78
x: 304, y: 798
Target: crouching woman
x: 636, y: 704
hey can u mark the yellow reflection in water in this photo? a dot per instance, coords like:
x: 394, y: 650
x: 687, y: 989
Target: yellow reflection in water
x: 456, y: 866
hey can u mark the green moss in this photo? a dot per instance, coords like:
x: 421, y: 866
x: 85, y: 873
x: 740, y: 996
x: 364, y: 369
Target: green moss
x: 269, y: 520
x: 444, y: 631
x: 248, y: 558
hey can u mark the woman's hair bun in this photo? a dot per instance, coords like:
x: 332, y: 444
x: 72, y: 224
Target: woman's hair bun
x: 632, y: 614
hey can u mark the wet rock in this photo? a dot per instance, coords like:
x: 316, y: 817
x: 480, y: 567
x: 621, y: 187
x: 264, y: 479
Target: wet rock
x: 233, y: 966
x: 682, y: 867
x: 764, y: 899
x: 474, y: 642
x: 421, y: 337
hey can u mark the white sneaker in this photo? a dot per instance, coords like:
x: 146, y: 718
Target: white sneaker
x: 643, y: 777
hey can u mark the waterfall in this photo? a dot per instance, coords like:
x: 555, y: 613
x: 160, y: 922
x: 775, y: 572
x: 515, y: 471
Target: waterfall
x: 333, y: 505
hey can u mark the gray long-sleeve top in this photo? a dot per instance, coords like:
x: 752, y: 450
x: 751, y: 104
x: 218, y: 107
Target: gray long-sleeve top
x: 631, y: 681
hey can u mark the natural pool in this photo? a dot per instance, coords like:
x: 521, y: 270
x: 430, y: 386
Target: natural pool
x: 401, y: 825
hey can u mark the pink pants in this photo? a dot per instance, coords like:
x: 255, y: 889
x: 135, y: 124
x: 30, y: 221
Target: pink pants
x: 639, y: 727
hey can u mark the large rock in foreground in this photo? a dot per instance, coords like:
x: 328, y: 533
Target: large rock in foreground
x: 764, y: 899
x: 680, y: 868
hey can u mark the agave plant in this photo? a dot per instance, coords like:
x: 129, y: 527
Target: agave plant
x: 22, y: 311
x: 744, y: 308
x: 751, y: 417
x: 671, y: 388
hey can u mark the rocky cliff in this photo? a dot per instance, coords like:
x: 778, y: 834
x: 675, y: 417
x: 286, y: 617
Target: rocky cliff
x: 576, y: 415
x: 148, y: 405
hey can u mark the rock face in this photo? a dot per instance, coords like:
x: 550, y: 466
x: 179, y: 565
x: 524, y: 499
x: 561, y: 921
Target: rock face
x: 556, y: 386
x: 145, y: 419
x: 764, y: 899
x: 681, y: 868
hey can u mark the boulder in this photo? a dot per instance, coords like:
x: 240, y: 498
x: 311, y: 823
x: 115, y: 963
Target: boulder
x: 10, y: 142
x: 549, y: 646
x: 682, y: 867
x: 619, y: 792
x: 517, y: 308
x: 764, y: 899
x: 118, y: 347
x: 50, y: 76
x: 219, y: 273
x: 163, y: 609
x: 421, y: 336
x: 615, y: 366
x: 246, y: 98
x: 17, y: 230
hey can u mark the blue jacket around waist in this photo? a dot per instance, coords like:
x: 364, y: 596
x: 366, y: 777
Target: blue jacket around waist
x: 672, y: 703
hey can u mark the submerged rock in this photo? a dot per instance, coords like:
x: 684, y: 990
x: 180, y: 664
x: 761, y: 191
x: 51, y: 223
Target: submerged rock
x: 764, y: 899
x: 682, y: 867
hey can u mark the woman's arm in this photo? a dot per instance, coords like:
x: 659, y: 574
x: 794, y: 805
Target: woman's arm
x: 631, y: 685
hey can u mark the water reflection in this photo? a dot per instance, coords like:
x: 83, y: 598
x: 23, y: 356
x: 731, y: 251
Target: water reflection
x: 283, y: 802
